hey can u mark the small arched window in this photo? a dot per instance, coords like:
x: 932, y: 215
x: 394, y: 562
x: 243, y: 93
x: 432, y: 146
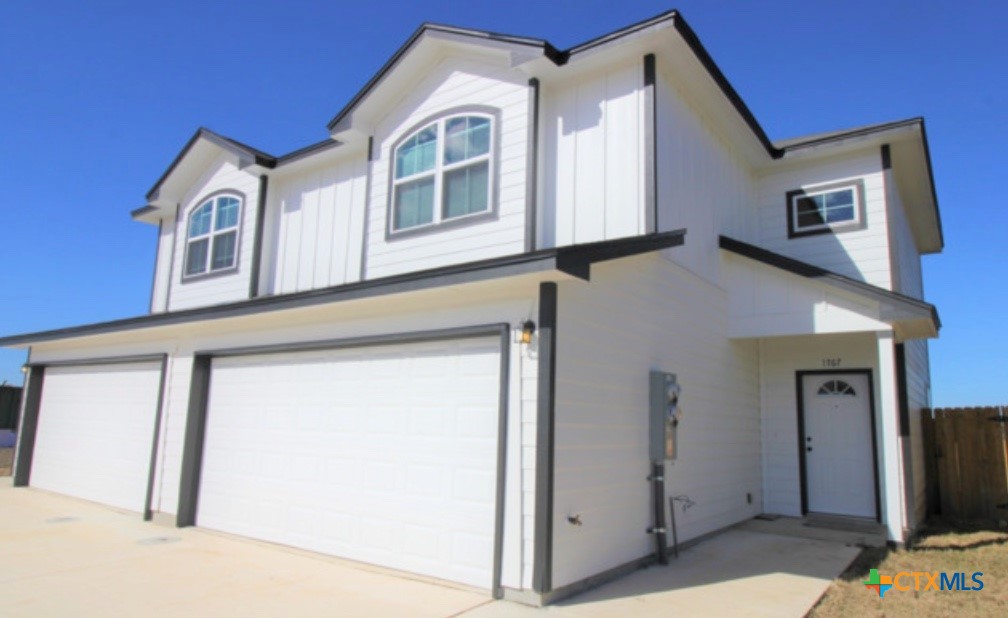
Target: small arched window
x: 441, y: 172
x: 836, y: 387
x: 212, y: 236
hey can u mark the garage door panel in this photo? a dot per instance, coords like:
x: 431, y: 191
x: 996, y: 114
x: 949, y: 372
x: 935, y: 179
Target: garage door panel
x: 94, y: 432
x: 385, y: 455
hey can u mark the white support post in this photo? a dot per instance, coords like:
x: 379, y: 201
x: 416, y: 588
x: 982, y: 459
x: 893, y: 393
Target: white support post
x: 887, y: 420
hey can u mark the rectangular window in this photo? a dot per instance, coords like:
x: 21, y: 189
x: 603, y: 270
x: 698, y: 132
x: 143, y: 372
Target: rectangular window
x: 825, y: 209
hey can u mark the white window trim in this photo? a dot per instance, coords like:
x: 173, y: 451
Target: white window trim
x: 859, y: 221
x: 439, y: 221
x: 209, y: 236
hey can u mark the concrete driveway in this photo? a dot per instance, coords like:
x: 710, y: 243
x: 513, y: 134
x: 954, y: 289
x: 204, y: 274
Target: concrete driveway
x: 60, y: 556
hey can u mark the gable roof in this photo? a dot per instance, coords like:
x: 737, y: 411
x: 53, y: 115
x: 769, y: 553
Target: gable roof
x: 533, y: 48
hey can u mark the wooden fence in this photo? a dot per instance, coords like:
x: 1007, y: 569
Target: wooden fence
x: 966, y: 459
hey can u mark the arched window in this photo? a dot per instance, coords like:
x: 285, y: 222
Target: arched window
x: 442, y: 172
x: 836, y: 387
x: 212, y: 237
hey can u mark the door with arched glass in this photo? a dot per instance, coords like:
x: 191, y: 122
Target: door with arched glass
x: 837, y: 446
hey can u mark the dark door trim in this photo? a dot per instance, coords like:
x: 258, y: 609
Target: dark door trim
x: 33, y: 405
x: 199, y: 399
x: 802, y: 471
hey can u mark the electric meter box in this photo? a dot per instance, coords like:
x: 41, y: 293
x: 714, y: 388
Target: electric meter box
x: 664, y: 415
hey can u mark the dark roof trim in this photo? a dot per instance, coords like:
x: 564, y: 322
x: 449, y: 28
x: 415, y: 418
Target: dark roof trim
x: 575, y: 260
x: 719, y: 78
x: 258, y: 156
x: 550, y: 52
x: 143, y: 210
x: 307, y: 151
x: 838, y: 136
x: 804, y: 269
x: 931, y: 181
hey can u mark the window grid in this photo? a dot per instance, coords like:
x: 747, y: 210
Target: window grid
x: 212, y: 236
x: 433, y: 179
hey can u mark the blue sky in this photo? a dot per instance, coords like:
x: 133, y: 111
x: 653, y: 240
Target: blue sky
x: 97, y: 98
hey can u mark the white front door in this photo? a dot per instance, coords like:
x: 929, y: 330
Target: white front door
x: 839, y: 456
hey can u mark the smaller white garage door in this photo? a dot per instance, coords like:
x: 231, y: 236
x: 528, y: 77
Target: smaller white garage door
x: 386, y: 455
x: 95, y: 431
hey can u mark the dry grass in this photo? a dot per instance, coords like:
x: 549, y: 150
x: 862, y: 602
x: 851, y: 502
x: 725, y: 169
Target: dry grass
x: 942, y: 549
x: 6, y: 461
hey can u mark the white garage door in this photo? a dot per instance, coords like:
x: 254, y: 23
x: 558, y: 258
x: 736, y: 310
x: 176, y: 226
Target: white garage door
x: 385, y: 454
x: 95, y: 431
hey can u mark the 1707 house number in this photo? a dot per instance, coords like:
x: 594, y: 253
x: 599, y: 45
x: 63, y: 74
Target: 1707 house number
x: 831, y: 363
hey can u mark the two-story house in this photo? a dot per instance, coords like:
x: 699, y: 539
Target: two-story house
x: 426, y: 341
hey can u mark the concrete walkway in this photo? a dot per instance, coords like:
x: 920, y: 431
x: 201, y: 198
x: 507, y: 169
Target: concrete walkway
x: 60, y: 557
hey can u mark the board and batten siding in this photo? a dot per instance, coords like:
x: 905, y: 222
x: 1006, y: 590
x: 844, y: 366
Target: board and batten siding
x: 232, y: 286
x: 594, y: 158
x: 780, y: 359
x: 635, y: 315
x: 703, y: 184
x: 861, y: 254
x: 315, y: 222
x: 453, y: 83
x: 424, y: 311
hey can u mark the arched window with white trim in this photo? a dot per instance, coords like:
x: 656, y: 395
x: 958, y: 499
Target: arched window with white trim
x: 212, y: 236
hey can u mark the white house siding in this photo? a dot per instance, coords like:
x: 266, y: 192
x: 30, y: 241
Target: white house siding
x: 862, y: 254
x: 316, y: 222
x: 455, y: 82
x: 919, y: 397
x: 163, y: 265
x: 766, y: 301
x: 481, y: 303
x: 780, y: 358
x: 594, y: 153
x: 215, y: 289
x: 907, y: 258
x: 635, y: 315
x: 703, y: 184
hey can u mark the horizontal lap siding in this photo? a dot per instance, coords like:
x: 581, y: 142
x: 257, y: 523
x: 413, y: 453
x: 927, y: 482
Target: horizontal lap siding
x: 703, y: 184
x: 318, y: 219
x: 780, y: 358
x: 216, y: 289
x: 453, y: 83
x: 862, y: 254
x: 636, y: 315
x: 919, y: 397
x: 908, y: 258
x: 594, y: 157
x: 163, y: 265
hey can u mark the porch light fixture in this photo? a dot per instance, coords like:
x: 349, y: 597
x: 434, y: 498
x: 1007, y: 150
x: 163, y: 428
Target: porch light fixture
x: 527, y: 330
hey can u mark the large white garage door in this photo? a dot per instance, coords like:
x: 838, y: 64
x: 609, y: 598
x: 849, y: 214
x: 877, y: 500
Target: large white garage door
x: 384, y: 454
x: 95, y: 429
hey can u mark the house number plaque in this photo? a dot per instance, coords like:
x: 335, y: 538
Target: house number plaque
x: 831, y: 363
